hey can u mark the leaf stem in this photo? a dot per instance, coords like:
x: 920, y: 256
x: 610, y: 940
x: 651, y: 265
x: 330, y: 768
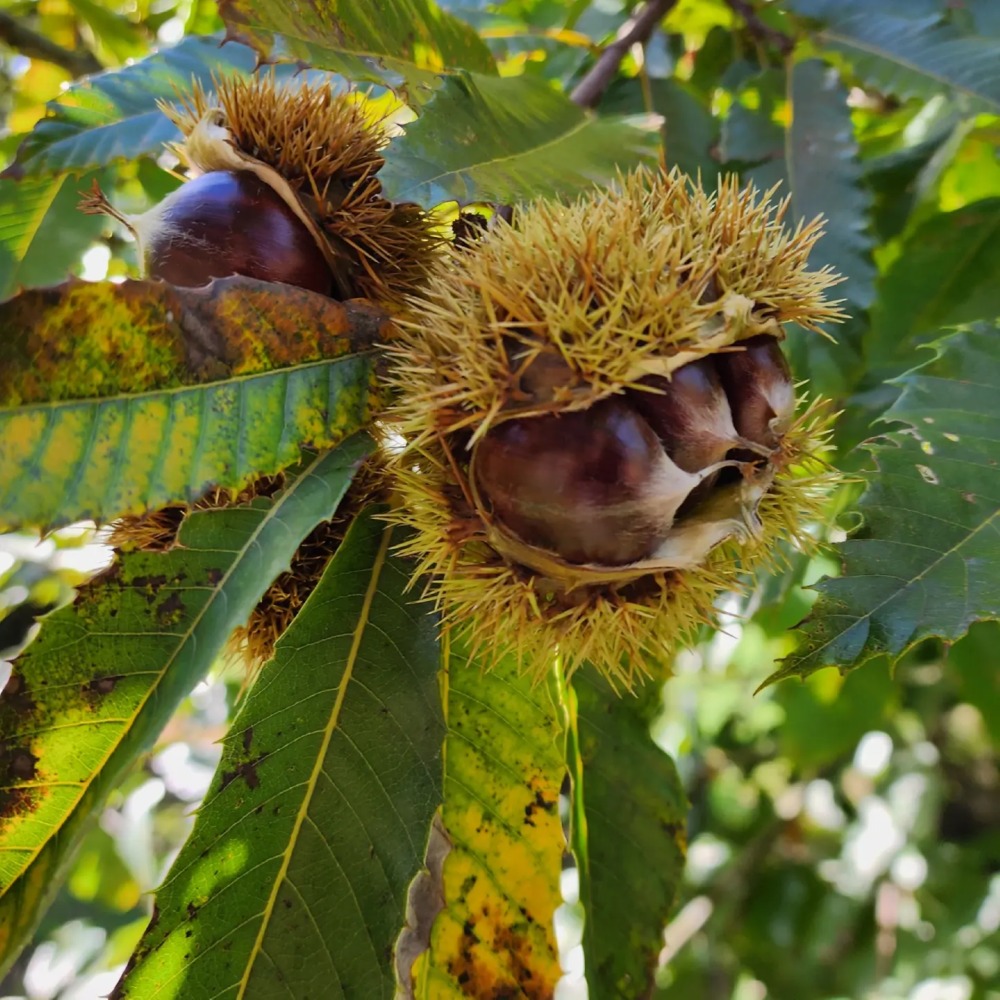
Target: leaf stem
x: 761, y: 31
x: 589, y: 91
x: 18, y: 36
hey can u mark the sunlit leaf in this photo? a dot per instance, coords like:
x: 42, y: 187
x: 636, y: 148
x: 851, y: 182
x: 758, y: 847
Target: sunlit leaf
x: 504, y: 766
x: 98, y: 685
x: 946, y: 273
x: 402, y: 43
x: 825, y: 178
x: 294, y: 880
x: 690, y: 131
x: 113, y: 116
x: 908, y: 52
x: 629, y: 830
x: 42, y: 236
x: 926, y: 561
x: 122, y: 398
x: 507, y: 139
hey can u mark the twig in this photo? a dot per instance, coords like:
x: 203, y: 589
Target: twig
x: 761, y: 31
x: 589, y: 91
x: 30, y: 43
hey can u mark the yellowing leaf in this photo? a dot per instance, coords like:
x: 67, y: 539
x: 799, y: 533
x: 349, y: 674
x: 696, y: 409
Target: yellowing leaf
x: 504, y: 768
x: 122, y: 398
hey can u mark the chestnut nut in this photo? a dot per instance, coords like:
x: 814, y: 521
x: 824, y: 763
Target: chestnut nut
x: 230, y: 222
x: 604, y: 485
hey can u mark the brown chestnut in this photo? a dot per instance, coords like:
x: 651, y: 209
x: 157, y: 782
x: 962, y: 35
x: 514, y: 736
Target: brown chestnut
x: 593, y: 486
x: 218, y: 224
x: 690, y: 414
x: 229, y: 222
x: 759, y: 385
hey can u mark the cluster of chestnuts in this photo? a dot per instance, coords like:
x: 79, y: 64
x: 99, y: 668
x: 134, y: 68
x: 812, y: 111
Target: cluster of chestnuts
x: 602, y: 429
x: 600, y: 425
x: 604, y: 485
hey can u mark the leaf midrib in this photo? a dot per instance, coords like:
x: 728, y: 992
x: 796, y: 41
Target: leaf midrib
x: 852, y: 42
x: 146, y: 394
x: 184, y: 640
x: 334, y: 718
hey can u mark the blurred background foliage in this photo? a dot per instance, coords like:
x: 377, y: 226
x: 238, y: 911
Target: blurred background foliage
x: 845, y: 831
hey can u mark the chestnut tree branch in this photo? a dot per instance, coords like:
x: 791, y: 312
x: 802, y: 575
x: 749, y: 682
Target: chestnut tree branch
x: 21, y: 38
x: 761, y: 31
x: 635, y: 31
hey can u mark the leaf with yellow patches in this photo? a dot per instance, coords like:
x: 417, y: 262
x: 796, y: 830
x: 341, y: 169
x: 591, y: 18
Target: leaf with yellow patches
x: 97, y: 686
x: 116, y: 399
x: 504, y: 768
x: 294, y: 880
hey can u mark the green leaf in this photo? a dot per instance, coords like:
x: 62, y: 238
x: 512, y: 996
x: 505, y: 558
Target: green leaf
x: 825, y: 178
x: 691, y: 132
x: 103, y: 677
x: 99, y: 416
x: 753, y: 131
x: 508, y: 139
x: 113, y: 116
x: 908, y: 53
x: 945, y: 274
x: 403, y: 44
x: 629, y: 830
x: 42, y: 235
x: 504, y: 766
x: 815, y: 159
x: 294, y: 880
x: 927, y: 559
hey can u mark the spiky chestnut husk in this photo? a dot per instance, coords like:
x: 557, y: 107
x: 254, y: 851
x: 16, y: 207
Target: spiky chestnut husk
x: 252, y: 644
x: 566, y: 309
x: 320, y: 152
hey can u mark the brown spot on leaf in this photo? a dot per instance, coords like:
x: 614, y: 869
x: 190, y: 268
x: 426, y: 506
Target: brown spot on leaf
x: 101, y: 686
x: 16, y: 697
x: 539, y: 802
x: 247, y: 771
x: 16, y: 764
x: 247, y: 738
x: 16, y: 802
x: 478, y: 978
x: 152, y: 584
x: 171, y: 611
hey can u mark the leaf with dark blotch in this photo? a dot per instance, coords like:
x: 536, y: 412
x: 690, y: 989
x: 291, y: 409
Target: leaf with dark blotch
x: 42, y: 236
x: 403, y: 44
x: 120, y: 398
x: 294, y: 880
x: 926, y: 561
x: 113, y: 116
x: 908, y: 52
x: 504, y: 766
x: 628, y: 830
x: 105, y: 674
x: 508, y: 139
x: 945, y: 274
